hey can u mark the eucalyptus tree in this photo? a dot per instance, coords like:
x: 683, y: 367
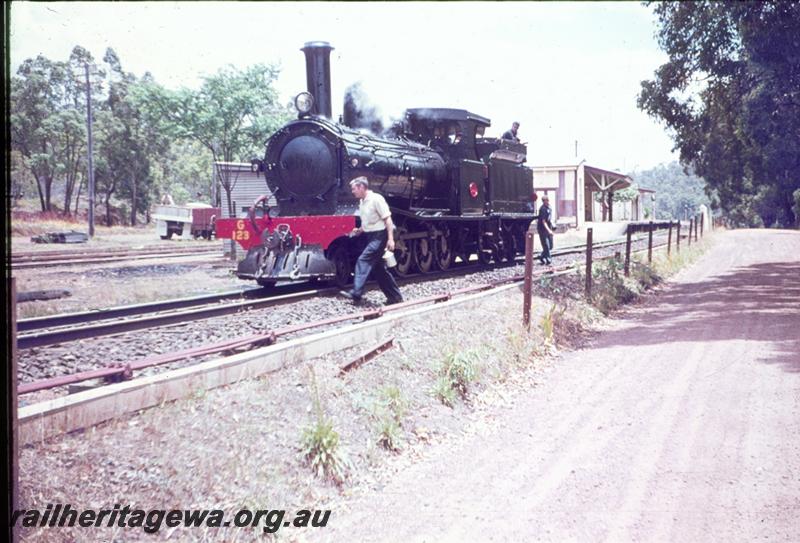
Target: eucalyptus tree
x: 231, y: 114
x: 130, y: 143
x: 47, y: 124
x: 730, y: 94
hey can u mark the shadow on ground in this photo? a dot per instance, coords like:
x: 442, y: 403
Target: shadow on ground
x: 760, y: 303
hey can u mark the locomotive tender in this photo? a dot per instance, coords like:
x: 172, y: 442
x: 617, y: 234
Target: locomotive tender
x: 452, y: 191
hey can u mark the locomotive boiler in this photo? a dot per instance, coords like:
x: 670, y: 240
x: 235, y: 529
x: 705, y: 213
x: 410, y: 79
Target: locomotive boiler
x: 453, y: 192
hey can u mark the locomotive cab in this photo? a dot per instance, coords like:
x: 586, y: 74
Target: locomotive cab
x: 452, y: 132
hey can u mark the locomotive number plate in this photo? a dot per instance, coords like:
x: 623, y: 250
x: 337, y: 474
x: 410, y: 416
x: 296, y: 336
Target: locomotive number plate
x: 241, y: 233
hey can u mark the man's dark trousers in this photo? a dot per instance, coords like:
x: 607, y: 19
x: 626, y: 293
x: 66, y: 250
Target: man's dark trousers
x: 371, y: 261
x: 547, y: 245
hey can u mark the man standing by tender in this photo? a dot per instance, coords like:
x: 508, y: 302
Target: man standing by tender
x: 376, y: 224
x: 545, y: 229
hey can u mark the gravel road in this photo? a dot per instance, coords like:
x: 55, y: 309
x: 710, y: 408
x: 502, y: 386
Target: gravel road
x: 680, y: 423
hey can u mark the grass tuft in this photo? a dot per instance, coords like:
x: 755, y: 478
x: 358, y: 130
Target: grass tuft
x: 549, y: 322
x: 389, y: 410
x: 459, y: 369
x: 320, y: 445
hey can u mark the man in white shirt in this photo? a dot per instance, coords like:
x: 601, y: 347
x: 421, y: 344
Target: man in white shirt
x: 376, y: 224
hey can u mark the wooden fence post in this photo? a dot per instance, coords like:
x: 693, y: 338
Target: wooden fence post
x: 588, y: 263
x: 526, y: 291
x: 233, y: 242
x: 669, y: 239
x: 650, y: 243
x: 628, y: 251
x: 678, y: 237
x: 689, y: 237
x: 702, y: 222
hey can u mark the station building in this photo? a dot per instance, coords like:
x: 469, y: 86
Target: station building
x: 574, y: 191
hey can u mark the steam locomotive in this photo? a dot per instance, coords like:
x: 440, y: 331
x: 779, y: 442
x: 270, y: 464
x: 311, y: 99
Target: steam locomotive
x: 453, y: 192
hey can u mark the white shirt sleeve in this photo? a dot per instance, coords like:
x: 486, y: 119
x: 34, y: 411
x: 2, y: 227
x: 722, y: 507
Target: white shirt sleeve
x: 382, y: 208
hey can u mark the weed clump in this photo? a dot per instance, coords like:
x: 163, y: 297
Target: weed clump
x: 320, y: 446
x: 549, y: 321
x: 521, y: 346
x: 458, y: 371
x: 645, y: 275
x: 389, y: 411
x: 610, y: 287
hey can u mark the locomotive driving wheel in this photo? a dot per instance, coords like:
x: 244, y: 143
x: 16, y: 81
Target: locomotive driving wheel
x: 342, y: 266
x: 402, y: 251
x: 443, y: 251
x: 423, y: 254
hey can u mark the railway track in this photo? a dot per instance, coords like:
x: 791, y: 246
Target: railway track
x: 66, y: 258
x: 125, y: 371
x: 56, y: 254
x: 56, y: 329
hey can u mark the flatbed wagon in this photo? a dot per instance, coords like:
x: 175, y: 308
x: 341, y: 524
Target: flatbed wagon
x: 193, y: 220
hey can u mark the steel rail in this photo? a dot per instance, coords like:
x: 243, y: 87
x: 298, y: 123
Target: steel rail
x: 111, y: 251
x: 83, y: 317
x: 125, y: 371
x: 51, y: 337
x: 98, y: 260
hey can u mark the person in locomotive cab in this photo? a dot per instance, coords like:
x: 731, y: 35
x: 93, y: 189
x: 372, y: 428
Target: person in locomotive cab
x: 545, y: 229
x: 512, y: 133
x: 376, y: 224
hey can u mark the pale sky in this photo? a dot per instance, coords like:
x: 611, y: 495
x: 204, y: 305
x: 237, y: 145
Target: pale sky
x: 566, y: 71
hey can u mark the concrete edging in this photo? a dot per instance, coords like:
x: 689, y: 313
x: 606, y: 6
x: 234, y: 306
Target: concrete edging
x: 87, y: 408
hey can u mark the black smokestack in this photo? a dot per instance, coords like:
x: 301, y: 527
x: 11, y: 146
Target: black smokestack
x: 318, y: 74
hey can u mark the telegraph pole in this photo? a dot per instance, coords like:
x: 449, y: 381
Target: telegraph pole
x: 89, y: 151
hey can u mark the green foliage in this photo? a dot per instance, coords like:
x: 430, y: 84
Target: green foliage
x: 626, y: 194
x: 186, y: 172
x: 609, y: 286
x: 47, y: 123
x: 231, y: 115
x: 549, y: 322
x: 521, y: 346
x: 444, y: 391
x: 392, y: 399
x: 389, y: 410
x: 730, y: 94
x: 136, y: 123
x: 390, y: 434
x: 320, y: 445
x: 131, y: 146
x: 645, y: 274
x: 622, y: 195
x: 459, y: 369
x: 679, y: 192
x: 320, y: 448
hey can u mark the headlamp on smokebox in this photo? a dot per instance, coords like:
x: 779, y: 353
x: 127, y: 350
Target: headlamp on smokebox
x: 304, y: 102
